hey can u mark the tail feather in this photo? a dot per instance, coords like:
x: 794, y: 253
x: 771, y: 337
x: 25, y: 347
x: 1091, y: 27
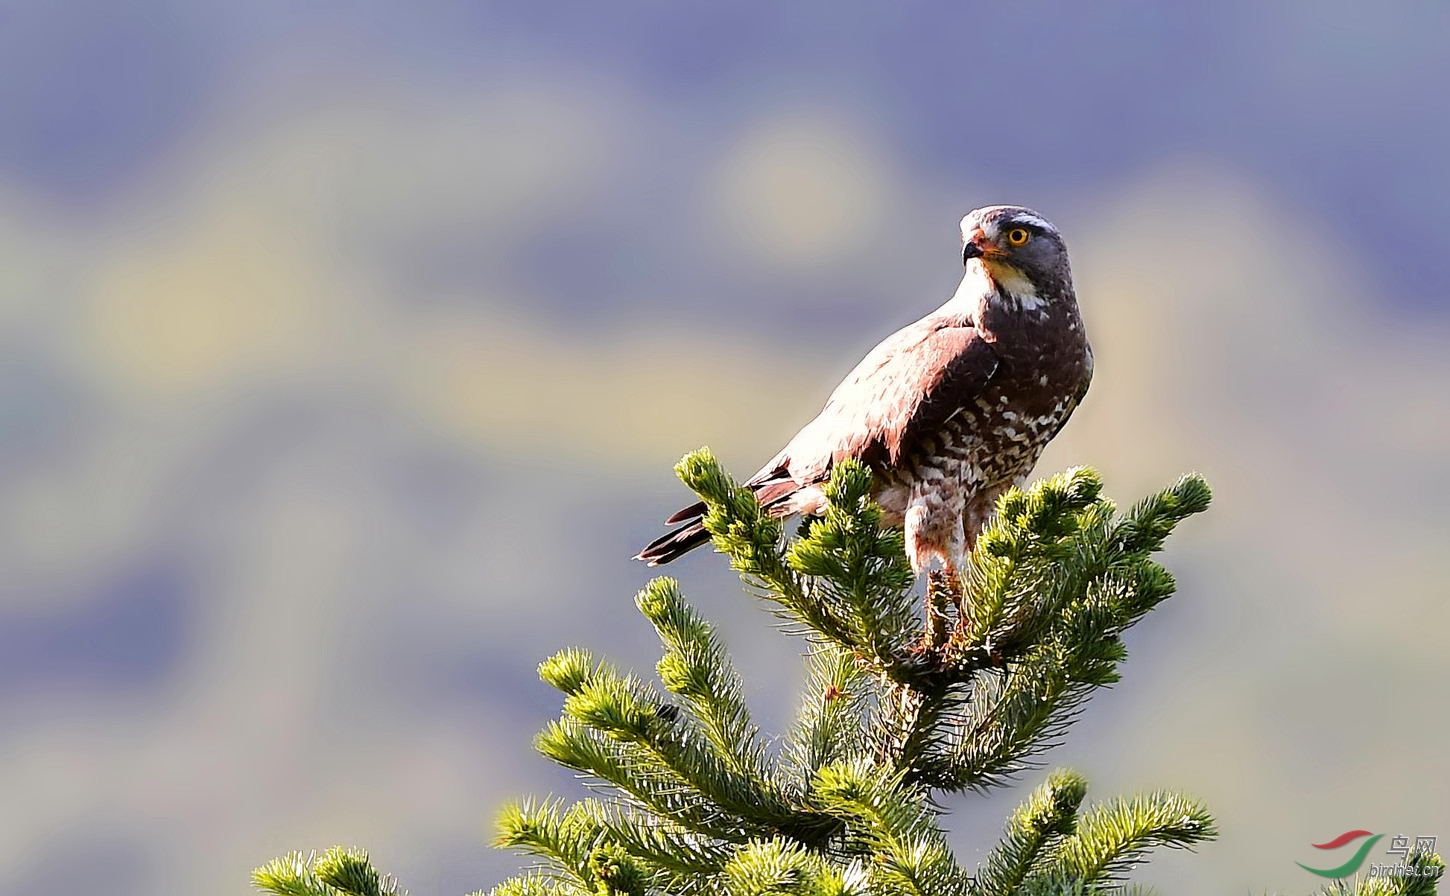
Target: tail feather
x: 674, y: 543
x: 693, y: 512
x: 773, y: 495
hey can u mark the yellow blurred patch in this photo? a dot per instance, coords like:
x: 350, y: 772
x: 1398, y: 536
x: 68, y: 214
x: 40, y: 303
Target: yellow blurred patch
x: 191, y: 313
x: 797, y: 193
x: 633, y: 397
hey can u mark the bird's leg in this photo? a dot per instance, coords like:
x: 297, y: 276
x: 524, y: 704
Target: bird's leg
x: 954, y: 590
x: 938, y: 592
x: 972, y: 520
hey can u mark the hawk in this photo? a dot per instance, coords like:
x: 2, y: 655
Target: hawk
x: 947, y: 412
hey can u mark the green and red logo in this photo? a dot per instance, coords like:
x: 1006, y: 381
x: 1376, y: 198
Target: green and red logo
x: 1355, y: 860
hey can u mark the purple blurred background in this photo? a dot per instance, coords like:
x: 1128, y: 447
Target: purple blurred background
x: 327, y: 334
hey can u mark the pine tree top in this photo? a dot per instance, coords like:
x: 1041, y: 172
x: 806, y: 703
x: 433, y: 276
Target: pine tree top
x: 899, y: 706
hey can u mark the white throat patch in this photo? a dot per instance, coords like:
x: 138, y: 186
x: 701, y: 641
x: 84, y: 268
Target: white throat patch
x: 1011, y: 280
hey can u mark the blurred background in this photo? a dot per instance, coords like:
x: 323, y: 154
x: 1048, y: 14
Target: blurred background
x: 345, y: 349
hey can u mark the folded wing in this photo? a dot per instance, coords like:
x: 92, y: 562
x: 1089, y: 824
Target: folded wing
x: 904, y: 391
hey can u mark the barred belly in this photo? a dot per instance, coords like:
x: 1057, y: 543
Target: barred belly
x: 944, y: 492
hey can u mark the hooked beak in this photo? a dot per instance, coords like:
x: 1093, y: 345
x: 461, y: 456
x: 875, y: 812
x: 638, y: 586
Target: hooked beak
x: 974, y: 247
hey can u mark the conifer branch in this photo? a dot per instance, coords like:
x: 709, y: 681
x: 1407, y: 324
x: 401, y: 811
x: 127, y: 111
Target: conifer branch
x: 635, y: 774
x: 777, y: 866
x: 829, y: 728
x: 816, y: 582
x: 751, y: 538
x: 696, y: 668
x: 899, y: 705
x: 565, y: 840
x: 1043, y: 819
x: 1022, y: 711
x: 534, y: 885
x: 861, y: 569
x: 669, y: 755
x: 339, y: 871
x: 1111, y: 837
x: 892, y: 822
x: 915, y: 722
x: 667, y: 847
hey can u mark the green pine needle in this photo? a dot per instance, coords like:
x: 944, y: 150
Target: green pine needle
x: 350, y: 871
x: 290, y: 875
x: 694, y: 801
x: 696, y: 667
x: 1114, y: 836
x: 340, y: 871
x: 829, y: 727
x: 534, y: 885
x: 750, y: 537
x: 568, y: 670
x: 895, y: 824
x: 778, y: 866
x: 1047, y: 815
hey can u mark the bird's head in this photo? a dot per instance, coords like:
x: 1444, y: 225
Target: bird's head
x: 1021, y: 251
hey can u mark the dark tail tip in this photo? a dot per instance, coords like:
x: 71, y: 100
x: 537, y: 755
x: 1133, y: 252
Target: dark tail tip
x: 674, y: 544
x: 693, y: 512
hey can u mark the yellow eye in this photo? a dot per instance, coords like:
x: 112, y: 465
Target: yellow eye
x: 1018, y: 236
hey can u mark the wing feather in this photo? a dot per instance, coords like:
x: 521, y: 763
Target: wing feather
x: 905, y: 389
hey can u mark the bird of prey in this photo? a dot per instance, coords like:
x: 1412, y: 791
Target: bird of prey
x: 947, y: 412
